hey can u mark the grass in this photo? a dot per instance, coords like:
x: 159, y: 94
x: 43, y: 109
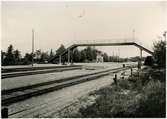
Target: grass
x: 139, y: 98
x: 153, y: 102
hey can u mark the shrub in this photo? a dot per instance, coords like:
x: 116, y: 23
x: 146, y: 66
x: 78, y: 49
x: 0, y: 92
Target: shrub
x: 125, y: 84
x: 149, y: 61
x: 153, y: 102
x: 160, y: 53
x: 143, y: 98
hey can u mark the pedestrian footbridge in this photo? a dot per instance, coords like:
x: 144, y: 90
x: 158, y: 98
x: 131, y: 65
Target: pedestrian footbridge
x: 73, y: 46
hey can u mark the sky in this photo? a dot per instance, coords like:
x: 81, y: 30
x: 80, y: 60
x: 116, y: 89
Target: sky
x: 57, y: 23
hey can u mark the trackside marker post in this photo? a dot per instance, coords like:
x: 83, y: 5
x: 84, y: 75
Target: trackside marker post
x: 131, y: 70
x: 4, y: 112
x: 115, y: 79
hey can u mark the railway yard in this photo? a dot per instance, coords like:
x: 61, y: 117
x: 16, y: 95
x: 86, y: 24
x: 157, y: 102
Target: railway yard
x: 44, y: 90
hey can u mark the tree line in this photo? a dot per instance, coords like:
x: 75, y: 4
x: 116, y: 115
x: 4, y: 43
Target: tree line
x: 88, y: 54
x: 13, y: 57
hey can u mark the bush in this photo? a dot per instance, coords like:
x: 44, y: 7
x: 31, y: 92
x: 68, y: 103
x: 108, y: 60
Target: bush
x: 153, y: 102
x: 129, y: 99
x: 149, y: 61
x: 125, y: 84
x: 160, y: 53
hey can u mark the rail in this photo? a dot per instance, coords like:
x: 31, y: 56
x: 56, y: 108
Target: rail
x: 29, y: 71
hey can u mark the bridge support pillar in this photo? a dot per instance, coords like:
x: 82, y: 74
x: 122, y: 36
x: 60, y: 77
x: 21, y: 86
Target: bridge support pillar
x: 59, y: 59
x: 68, y: 56
x: 72, y: 57
x: 140, y: 60
x: 140, y: 54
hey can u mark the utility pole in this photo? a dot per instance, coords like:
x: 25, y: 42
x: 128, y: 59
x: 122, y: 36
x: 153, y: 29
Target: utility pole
x: 164, y: 34
x: 133, y: 35
x: 118, y: 54
x: 32, y: 47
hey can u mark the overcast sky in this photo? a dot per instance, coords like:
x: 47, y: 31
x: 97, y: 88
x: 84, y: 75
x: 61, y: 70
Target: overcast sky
x: 65, y: 23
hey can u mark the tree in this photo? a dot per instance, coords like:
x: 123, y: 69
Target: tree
x: 94, y: 53
x: 83, y: 55
x: 105, y: 56
x: 76, y: 55
x: 17, y: 56
x: 38, y: 54
x: 27, y: 58
x: 44, y: 57
x: 59, y: 51
x: 111, y: 58
x: 89, y: 53
x: 9, y: 59
x: 51, y: 54
x: 3, y: 55
x: 160, y: 53
x: 149, y: 61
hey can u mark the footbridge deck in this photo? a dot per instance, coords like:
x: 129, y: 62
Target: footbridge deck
x: 142, y: 48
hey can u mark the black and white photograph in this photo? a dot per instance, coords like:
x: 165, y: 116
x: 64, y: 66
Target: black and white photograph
x: 83, y: 59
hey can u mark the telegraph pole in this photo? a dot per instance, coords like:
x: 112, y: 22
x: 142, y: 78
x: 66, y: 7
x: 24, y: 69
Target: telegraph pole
x: 133, y: 35
x: 32, y: 47
x: 164, y: 34
x: 118, y: 54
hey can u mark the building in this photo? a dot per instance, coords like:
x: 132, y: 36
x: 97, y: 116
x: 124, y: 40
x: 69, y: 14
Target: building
x: 99, y: 57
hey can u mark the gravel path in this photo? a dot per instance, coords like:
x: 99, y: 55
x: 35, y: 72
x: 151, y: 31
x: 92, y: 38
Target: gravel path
x: 48, y: 105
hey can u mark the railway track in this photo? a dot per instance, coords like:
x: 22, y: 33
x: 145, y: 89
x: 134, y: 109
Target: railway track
x: 17, y: 94
x: 20, y: 69
x: 37, y: 70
